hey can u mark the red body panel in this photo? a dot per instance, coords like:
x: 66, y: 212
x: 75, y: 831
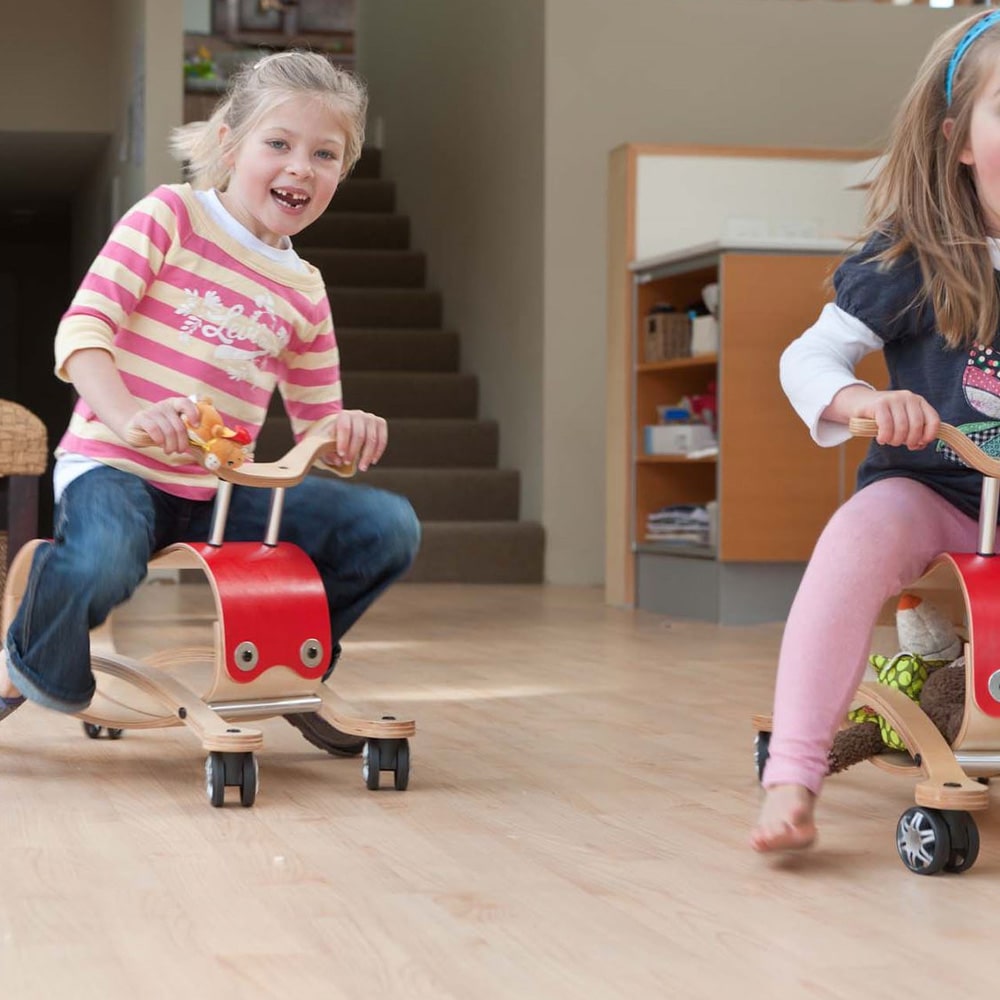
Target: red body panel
x: 980, y: 577
x: 272, y: 597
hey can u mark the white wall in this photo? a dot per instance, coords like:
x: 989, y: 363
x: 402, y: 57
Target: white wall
x: 730, y: 72
x: 457, y: 87
x: 461, y: 90
x: 681, y: 201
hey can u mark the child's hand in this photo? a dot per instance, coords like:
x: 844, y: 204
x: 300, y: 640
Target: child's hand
x: 903, y: 418
x: 162, y: 422
x: 358, y: 437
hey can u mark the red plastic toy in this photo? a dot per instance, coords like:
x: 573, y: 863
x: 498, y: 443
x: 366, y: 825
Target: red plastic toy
x: 272, y: 644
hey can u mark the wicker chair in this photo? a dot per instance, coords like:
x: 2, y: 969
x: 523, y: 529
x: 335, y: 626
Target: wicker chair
x: 24, y: 454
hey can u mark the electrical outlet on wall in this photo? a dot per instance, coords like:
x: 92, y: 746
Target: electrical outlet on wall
x: 745, y: 227
x: 801, y: 229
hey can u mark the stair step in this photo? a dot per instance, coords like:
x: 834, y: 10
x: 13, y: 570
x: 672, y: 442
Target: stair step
x: 369, y: 164
x: 385, y: 307
x: 479, y: 552
x: 398, y: 350
x: 364, y: 194
x: 401, y: 363
x: 450, y: 395
x: 413, y: 443
x: 442, y: 444
x: 372, y: 230
x: 364, y: 268
x: 451, y: 494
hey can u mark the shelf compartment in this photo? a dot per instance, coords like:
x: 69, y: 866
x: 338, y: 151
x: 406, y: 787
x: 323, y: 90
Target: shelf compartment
x: 687, y: 551
x: 664, y: 483
x: 674, y: 364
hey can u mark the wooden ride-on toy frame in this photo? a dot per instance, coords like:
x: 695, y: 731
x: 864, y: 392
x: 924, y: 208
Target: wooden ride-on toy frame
x: 939, y: 833
x: 271, y: 646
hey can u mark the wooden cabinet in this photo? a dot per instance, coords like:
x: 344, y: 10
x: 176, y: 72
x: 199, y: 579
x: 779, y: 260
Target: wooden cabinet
x: 774, y: 487
x: 769, y: 225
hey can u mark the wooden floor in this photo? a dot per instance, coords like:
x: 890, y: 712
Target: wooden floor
x: 575, y: 827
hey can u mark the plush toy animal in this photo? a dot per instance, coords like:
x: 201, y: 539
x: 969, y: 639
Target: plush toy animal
x: 929, y: 669
x: 223, y: 446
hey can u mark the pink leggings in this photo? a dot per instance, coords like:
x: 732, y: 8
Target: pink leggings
x: 879, y: 542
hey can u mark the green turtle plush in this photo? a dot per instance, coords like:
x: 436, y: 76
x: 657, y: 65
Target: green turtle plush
x: 928, y: 643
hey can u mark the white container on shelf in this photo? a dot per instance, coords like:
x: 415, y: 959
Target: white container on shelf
x: 676, y: 439
x: 704, y: 335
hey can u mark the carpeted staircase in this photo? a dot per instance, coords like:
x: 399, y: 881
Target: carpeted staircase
x: 398, y: 361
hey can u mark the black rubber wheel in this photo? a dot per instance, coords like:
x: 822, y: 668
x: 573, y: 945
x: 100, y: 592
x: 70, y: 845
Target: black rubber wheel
x: 402, y: 773
x: 372, y: 767
x: 115, y: 734
x: 249, y: 780
x: 923, y: 840
x: 215, y: 778
x: 321, y: 734
x: 964, y: 841
x: 761, y: 751
x: 93, y: 731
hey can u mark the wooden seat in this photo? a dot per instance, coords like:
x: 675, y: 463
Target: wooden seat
x: 24, y: 454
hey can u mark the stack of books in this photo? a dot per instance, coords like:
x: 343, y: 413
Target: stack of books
x: 681, y: 525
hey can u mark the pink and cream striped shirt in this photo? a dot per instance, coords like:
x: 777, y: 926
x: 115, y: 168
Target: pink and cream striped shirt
x: 185, y: 310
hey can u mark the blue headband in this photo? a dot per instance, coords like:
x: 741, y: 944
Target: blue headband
x: 963, y: 46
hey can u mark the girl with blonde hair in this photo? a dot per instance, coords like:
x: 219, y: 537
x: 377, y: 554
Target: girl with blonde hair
x: 923, y: 289
x: 199, y: 292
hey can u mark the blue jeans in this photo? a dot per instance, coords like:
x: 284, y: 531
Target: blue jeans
x: 109, y: 523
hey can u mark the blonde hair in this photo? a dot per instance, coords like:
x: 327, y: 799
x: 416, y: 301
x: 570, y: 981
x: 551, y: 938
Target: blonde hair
x: 256, y: 89
x: 924, y: 198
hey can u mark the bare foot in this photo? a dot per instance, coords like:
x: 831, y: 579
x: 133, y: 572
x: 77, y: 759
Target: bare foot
x: 786, y: 820
x: 7, y: 689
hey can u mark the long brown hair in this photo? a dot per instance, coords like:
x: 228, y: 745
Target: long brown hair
x: 925, y: 198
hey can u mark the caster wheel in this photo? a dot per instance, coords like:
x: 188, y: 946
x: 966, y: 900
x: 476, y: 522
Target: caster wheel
x: 402, y: 773
x: 215, y: 778
x: 92, y: 731
x: 372, y: 766
x: 249, y: 780
x: 964, y: 841
x: 761, y: 751
x: 115, y: 734
x: 923, y: 840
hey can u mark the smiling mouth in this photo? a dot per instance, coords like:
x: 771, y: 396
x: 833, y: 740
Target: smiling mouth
x: 290, y: 199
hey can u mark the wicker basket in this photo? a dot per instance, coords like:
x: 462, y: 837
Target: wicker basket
x: 23, y: 441
x: 23, y: 452
x: 668, y: 335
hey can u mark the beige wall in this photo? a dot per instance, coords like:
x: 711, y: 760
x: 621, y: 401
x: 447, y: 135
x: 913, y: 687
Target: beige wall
x: 459, y: 88
x: 147, y: 49
x: 68, y: 67
x: 145, y: 38
x: 56, y: 47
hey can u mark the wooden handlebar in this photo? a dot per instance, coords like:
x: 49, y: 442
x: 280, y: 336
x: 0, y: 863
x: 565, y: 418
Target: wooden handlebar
x: 288, y: 470
x: 970, y: 453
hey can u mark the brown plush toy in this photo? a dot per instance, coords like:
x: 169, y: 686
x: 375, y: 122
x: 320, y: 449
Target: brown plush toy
x: 929, y: 670
x: 943, y: 699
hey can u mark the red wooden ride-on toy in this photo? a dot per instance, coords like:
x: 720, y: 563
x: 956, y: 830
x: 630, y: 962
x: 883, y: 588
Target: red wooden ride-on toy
x: 939, y: 832
x: 271, y: 645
